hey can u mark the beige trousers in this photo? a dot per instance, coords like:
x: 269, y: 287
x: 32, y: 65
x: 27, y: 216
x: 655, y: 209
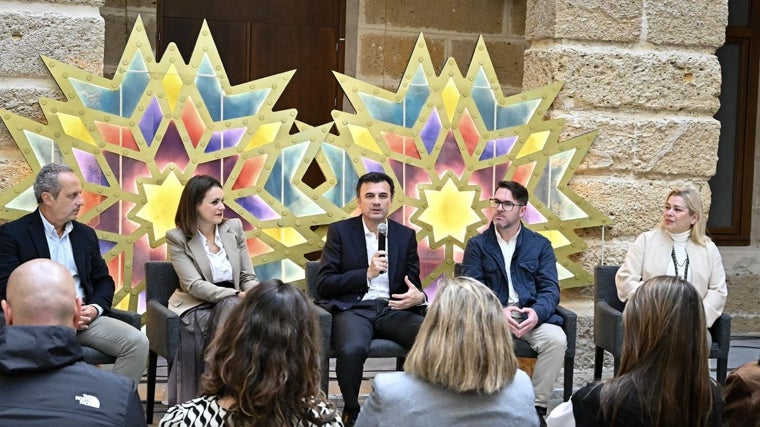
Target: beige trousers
x: 550, y: 343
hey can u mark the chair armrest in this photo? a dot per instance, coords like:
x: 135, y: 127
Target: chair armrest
x: 325, y: 327
x: 570, y: 327
x: 608, y: 328
x: 720, y: 332
x: 162, y: 329
x: 128, y: 317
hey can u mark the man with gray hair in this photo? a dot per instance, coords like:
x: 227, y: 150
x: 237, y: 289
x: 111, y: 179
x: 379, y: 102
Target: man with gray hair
x: 52, y: 232
x: 42, y: 375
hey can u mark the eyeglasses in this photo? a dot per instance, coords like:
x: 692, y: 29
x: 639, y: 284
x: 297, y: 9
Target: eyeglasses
x: 506, y: 205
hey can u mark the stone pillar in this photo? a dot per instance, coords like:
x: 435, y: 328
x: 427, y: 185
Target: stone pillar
x: 645, y: 75
x: 70, y: 31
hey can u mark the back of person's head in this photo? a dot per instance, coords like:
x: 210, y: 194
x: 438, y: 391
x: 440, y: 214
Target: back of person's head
x: 693, y: 203
x: 266, y: 357
x: 192, y: 195
x: 742, y: 394
x: 464, y: 343
x: 663, y: 365
x: 41, y: 292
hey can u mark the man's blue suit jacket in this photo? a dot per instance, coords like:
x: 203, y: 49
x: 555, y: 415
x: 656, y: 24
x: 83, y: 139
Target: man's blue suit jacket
x: 533, y: 270
x: 342, y: 278
x: 24, y: 239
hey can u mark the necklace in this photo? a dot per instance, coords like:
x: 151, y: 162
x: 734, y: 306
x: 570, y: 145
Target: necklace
x: 684, y: 264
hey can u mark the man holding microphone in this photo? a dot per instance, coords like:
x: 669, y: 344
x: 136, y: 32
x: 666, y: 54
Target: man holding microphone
x: 369, y: 281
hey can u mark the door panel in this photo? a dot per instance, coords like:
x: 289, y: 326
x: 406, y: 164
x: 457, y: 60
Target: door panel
x: 233, y: 37
x: 264, y: 37
x: 278, y: 48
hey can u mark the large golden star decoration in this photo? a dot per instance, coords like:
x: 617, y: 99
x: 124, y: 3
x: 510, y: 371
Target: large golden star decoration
x: 444, y: 129
x: 445, y: 138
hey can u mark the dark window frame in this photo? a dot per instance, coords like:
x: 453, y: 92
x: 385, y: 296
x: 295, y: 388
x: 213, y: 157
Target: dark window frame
x: 748, y: 39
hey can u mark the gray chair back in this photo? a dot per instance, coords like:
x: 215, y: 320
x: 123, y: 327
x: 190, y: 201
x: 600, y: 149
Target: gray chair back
x: 160, y: 281
x: 604, y: 286
x: 311, y: 271
x: 161, y: 324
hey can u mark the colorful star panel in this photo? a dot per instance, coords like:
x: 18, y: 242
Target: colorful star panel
x: 446, y: 139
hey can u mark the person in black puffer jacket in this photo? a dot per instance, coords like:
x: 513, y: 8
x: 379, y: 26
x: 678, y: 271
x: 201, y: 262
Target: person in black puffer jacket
x: 43, y: 377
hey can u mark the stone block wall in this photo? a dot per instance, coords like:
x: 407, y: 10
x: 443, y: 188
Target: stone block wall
x: 645, y: 75
x: 120, y: 16
x: 68, y: 30
x: 386, y: 30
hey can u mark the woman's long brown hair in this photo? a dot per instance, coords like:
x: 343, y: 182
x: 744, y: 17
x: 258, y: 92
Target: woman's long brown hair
x: 266, y: 358
x: 663, y: 367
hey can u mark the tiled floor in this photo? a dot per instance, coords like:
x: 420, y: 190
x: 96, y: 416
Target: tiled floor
x: 743, y: 349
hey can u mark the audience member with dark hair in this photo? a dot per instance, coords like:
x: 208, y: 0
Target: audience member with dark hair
x: 43, y: 377
x: 263, y: 366
x: 211, y: 258
x: 461, y: 371
x: 742, y: 391
x: 664, y: 379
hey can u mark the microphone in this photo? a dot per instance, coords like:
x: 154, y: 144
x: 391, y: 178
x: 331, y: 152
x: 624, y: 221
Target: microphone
x: 382, y: 233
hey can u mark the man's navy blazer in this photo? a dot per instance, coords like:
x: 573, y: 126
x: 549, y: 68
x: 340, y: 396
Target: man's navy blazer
x: 342, y: 278
x: 24, y: 239
x: 533, y: 270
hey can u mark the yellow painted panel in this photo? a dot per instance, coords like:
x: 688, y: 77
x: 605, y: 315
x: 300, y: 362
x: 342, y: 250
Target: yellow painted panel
x: 74, y: 126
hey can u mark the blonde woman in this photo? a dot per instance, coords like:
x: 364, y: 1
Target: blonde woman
x: 679, y: 247
x: 461, y: 369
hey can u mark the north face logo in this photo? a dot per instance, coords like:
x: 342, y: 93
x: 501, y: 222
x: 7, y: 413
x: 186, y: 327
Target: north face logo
x: 88, y: 400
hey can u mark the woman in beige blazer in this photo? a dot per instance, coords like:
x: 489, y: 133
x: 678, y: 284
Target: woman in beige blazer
x: 211, y: 258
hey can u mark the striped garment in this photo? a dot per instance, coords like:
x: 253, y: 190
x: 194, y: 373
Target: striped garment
x: 206, y: 412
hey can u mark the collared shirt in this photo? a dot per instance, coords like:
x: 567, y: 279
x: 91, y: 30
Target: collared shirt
x: 379, y: 287
x: 62, y: 253
x: 508, y: 250
x: 221, y: 268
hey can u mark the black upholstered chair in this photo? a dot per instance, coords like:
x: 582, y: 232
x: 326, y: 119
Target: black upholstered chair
x: 608, y: 318
x: 378, y: 347
x: 608, y: 326
x: 161, y: 324
x: 569, y: 326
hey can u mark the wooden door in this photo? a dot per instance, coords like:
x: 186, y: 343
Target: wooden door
x: 258, y: 38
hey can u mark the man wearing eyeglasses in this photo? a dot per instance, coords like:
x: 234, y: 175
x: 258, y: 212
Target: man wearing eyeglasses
x: 519, y: 265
